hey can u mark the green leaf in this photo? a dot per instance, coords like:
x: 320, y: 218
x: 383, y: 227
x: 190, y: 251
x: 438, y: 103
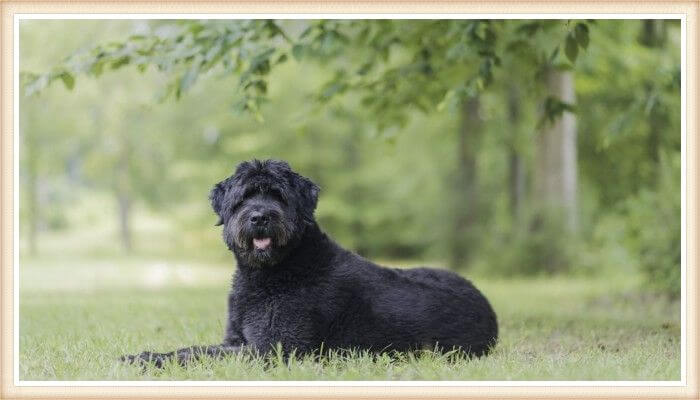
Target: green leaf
x: 449, y: 97
x: 262, y: 67
x: 195, y: 28
x: 516, y: 45
x: 529, y: 29
x: 571, y: 48
x: 189, y: 78
x: 485, y: 71
x: 281, y: 59
x: 365, y: 68
x: 298, y: 51
x: 333, y: 89
x: 480, y: 30
x: 252, y: 106
x: 554, y: 54
x: 213, y: 52
x: 581, y: 32
x: 307, y: 31
x: 68, y: 80
x: 37, y: 85
x: 553, y: 109
x: 563, y: 66
x: 259, y: 85
x: 328, y: 40
x: 120, y: 62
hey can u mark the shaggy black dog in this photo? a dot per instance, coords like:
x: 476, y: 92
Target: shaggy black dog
x: 296, y: 287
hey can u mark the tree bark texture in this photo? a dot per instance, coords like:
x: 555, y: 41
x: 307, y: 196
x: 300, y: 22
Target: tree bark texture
x: 464, y: 236
x: 555, y: 161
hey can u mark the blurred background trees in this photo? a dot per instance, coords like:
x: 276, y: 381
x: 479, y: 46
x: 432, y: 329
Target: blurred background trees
x: 505, y: 147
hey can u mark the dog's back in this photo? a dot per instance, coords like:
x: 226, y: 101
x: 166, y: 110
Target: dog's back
x: 408, y: 309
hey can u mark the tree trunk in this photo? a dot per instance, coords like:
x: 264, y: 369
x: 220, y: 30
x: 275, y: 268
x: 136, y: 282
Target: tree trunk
x: 124, y: 204
x: 656, y: 126
x: 354, y: 192
x: 463, y: 238
x: 123, y: 193
x: 555, y: 162
x: 33, y: 198
x: 516, y: 167
x: 653, y: 34
x: 31, y: 154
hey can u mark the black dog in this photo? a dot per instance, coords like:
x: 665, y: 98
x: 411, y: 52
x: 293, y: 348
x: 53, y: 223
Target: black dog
x: 296, y: 287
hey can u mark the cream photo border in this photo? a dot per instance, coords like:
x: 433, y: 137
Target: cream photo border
x: 12, y: 11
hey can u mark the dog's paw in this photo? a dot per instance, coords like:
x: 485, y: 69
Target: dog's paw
x: 144, y: 358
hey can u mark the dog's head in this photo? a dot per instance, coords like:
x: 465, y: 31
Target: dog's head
x: 265, y: 208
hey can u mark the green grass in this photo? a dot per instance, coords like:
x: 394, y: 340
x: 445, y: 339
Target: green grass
x: 78, y: 316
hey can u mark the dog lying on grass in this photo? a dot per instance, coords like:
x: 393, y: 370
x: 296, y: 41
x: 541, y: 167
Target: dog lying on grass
x: 294, y: 286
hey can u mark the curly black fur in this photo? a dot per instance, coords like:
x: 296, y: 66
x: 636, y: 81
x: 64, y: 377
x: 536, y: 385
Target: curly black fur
x: 297, y: 287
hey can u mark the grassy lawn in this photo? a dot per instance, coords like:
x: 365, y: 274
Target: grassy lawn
x: 77, y: 317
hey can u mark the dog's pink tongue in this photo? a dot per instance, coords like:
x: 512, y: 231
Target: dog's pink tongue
x: 261, y: 244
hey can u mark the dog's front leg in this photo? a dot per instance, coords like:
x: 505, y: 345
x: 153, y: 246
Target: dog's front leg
x: 193, y: 353
x: 182, y: 356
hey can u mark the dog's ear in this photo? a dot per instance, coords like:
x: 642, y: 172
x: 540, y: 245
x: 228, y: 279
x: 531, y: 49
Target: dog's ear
x: 216, y: 196
x: 309, y: 195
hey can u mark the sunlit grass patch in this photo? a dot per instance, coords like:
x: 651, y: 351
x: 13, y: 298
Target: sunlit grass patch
x: 550, y: 329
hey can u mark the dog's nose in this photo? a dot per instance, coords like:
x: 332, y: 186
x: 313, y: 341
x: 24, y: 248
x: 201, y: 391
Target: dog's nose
x: 259, y: 219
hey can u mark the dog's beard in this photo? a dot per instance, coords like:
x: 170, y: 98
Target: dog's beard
x: 259, y: 246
